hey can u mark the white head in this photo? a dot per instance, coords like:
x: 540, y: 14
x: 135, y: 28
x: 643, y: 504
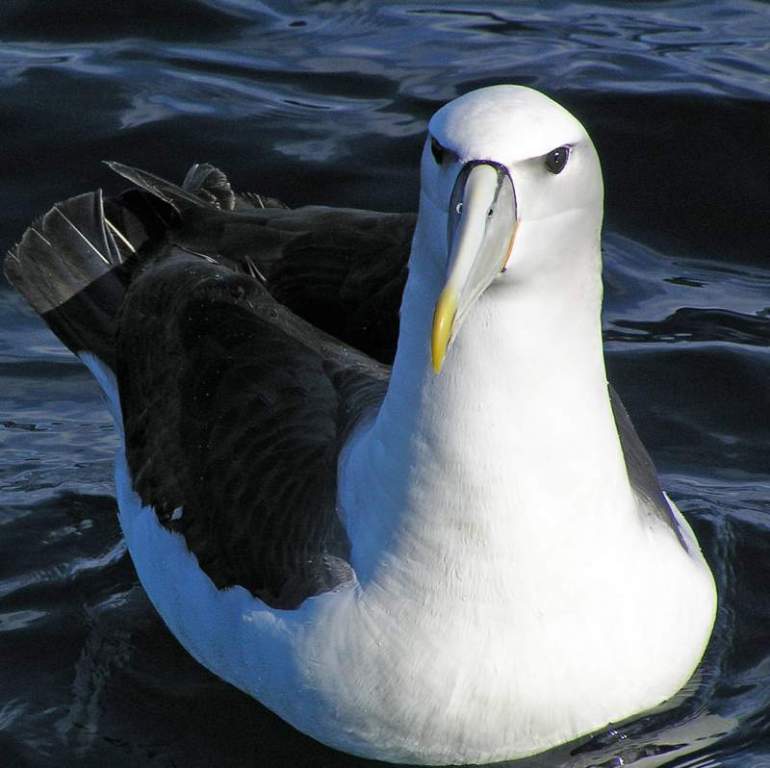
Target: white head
x: 514, y: 181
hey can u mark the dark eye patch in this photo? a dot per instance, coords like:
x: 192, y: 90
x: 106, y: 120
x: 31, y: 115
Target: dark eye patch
x: 556, y: 159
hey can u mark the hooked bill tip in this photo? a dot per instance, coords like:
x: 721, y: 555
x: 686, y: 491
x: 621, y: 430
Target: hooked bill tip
x: 443, y: 321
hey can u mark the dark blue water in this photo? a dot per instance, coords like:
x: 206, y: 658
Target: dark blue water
x: 326, y: 102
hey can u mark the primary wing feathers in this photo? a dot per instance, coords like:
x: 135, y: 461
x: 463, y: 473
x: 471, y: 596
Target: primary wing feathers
x: 68, y: 248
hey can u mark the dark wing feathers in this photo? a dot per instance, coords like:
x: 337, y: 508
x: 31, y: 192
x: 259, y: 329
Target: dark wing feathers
x: 343, y: 270
x: 68, y: 248
x: 74, y: 271
x: 178, y: 198
x: 234, y: 415
x: 641, y: 470
x: 209, y: 183
x: 348, y: 280
x: 233, y: 325
x: 235, y: 409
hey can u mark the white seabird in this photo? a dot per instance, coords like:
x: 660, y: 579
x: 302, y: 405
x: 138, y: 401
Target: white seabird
x: 478, y: 565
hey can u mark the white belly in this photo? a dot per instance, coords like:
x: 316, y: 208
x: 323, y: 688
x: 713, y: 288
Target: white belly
x: 433, y: 678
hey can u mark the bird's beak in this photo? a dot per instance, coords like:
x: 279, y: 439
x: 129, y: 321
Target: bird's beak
x: 481, y: 229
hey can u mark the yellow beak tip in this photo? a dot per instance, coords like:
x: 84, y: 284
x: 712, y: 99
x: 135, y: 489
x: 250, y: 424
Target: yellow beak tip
x: 443, y: 322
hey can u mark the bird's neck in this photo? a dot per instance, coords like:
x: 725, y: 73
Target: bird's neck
x: 512, y: 444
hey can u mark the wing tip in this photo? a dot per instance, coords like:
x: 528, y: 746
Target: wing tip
x: 62, y: 252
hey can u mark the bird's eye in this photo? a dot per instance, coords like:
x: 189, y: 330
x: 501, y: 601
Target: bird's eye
x: 437, y: 150
x: 556, y: 159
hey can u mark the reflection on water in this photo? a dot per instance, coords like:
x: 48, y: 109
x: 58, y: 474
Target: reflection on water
x: 326, y: 102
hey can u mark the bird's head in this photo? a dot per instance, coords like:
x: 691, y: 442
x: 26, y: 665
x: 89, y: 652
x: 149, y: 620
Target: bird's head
x: 514, y: 181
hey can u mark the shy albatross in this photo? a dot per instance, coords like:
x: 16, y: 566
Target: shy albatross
x: 464, y: 559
